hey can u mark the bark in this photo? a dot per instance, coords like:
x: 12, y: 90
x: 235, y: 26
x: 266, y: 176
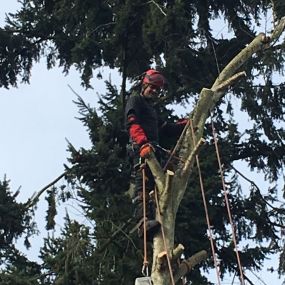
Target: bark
x: 187, y: 265
x: 171, y: 187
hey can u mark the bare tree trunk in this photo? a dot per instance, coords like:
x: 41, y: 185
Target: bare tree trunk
x: 171, y: 186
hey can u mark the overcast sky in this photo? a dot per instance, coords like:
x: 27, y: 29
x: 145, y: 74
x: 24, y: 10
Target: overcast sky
x: 35, y: 119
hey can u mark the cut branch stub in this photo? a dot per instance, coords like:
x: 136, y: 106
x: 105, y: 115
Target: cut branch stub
x: 187, y: 265
x: 162, y: 261
x: 177, y: 251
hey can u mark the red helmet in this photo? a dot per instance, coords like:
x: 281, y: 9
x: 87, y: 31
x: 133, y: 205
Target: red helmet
x: 154, y: 77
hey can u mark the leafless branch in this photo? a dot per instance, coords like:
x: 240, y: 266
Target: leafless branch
x: 34, y: 199
x: 157, y: 5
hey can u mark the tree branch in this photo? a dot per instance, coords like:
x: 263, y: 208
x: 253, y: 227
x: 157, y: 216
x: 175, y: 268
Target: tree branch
x: 187, y: 265
x: 257, y: 44
x: 229, y: 82
x: 157, y: 5
x: 156, y: 171
x: 278, y: 30
x: 115, y: 234
x: 192, y: 155
x: 177, y: 251
x: 255, y: 186
x: 169, y: 176
x: 35, y: 197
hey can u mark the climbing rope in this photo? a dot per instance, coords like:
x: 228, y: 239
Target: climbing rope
x: 206, y: 210
x: 145, y: 261
x: 228, y: 205
x: 172, y: 153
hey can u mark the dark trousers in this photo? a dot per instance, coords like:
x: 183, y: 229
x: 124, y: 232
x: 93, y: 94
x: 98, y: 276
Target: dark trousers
x: 138, y: 166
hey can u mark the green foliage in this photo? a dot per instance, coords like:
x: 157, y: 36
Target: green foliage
x: 176, y: 37
x: 51, y: 213
x: 15, y: 218
x: 19, y: 270
x: 67, y: 259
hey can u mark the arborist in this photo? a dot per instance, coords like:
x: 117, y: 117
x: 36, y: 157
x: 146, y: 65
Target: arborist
x: 144, y: 128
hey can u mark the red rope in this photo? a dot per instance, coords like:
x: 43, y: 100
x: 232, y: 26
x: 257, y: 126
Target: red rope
x: 228, y: 205
x: 145, y: 261
x: 206, y: 210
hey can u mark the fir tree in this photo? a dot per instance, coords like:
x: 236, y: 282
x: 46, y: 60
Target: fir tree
x: 175, y: 36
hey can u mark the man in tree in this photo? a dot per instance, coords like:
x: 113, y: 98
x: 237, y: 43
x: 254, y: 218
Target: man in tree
x: 144, y: 129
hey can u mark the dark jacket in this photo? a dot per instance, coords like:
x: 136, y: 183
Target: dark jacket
x: 145, y: 116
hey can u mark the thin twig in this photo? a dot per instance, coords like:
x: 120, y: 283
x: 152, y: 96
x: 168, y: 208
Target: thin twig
x: 254, y: 185
x: 115, y: 234
x: 157, y: 5
x: 33, y: 200
x: 73, y: 90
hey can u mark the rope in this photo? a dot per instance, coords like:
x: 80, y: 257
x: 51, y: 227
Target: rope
x: 228, y: 205
x: 177, y: 145
x: 145, y: 261
x: 206, y: 209
x: 163, y: 237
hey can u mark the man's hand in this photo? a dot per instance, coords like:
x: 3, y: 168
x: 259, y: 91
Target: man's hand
x: 146, y: 149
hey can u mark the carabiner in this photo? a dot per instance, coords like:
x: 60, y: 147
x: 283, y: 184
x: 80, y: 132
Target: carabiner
x: 145, y: 270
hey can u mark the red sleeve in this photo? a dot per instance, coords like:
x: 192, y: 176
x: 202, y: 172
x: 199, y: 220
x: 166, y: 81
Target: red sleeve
x: 136, y: 132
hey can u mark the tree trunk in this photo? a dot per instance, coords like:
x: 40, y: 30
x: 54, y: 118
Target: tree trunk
x: 171, y: 186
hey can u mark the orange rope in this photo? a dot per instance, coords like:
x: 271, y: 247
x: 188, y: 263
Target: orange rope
x: 177, y: 145
x: 206, y: 210
x: 145, y: 261
x: 228, y: 205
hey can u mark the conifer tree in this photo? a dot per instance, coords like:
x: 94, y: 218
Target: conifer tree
x: 176, y: 36
x: 16, y: 221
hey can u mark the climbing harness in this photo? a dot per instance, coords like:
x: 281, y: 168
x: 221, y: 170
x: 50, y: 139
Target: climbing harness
x: 228, y: 205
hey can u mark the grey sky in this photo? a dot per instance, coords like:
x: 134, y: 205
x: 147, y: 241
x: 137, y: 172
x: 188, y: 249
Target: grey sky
x: 35, y: 119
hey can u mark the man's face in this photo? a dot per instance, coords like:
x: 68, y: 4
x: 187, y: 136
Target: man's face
x: 151, y: 91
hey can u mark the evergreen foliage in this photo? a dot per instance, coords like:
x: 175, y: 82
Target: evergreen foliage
x: 176, y: 37
x: 16, y: 221
x: 15, y: 218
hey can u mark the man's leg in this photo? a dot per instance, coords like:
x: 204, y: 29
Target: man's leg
x: 151, y: 224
